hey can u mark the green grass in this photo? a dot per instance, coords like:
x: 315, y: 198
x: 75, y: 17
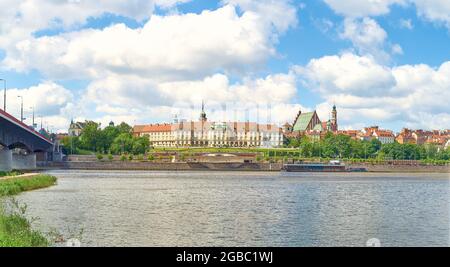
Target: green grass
x: 15, y: 229
x: 12, y: 173
x: 84, y: 152
x: 14, y: 186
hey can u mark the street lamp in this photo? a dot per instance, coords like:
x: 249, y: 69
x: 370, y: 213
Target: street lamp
x: 21, y: 108
x: 4, y: 94
x: 33, y: 125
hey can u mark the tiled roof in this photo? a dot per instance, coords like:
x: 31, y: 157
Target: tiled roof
x: 318, y: 127
x: 382, y: 133
x: 138, y: 128
x: 153, y: 128
x: 303, y: 121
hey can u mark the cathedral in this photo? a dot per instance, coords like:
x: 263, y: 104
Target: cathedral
x: 310, y: 123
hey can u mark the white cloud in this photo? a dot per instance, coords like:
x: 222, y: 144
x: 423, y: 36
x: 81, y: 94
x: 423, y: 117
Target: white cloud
x: 406, y: 24
x: 348, y: 73
x: 139, y: 75
x: 219, y: 40
x: 49, y: 100
x: 431, y: 10
x: 434, y: 10
x: 362, y: 8
x: 369, y: 39
x: 366, y: 36
x: 280, y: 13
x: 20, y: 18
x: 397, y: 49
x: 118, y: 95
x: 366, y: 91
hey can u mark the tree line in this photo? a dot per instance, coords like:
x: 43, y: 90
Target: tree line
x: 119, y: 140
x: 110, y: 140
x: 343, y: 146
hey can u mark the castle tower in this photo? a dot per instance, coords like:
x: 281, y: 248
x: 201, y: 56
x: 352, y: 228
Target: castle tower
x: 334, y: 122
x: 203, y: 117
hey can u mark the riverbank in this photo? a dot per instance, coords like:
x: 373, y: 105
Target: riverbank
x: 223, y: 166
x: 15, y: 229
x: 232, y: 209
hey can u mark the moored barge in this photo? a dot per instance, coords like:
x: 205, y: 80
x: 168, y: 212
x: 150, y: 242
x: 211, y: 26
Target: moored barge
x: 318, y: 167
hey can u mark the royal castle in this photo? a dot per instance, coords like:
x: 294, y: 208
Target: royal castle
x: 204, y: 133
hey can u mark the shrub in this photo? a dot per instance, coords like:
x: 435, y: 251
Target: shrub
x: 99, y: 156
x: 130, y: 157
x: 123, y: 158
x: 110, y: 157
x: 151, y: 157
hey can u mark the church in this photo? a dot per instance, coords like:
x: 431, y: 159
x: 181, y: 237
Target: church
x: 309, y: 123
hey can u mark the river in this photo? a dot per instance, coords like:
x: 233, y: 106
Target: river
x: 135, y: 208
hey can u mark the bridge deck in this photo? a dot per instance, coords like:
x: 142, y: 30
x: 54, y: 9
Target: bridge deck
x: 12, y: 119
x: 14, y: 133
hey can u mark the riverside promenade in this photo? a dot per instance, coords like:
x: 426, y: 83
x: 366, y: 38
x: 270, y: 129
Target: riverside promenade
x: 224, y: 166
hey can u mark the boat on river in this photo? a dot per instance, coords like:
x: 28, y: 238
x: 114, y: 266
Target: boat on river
x: 333, y: 166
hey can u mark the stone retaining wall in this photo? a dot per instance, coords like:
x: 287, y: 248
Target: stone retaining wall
x: 197, y: 166
x: 402, y: 168
x: 185, y: 166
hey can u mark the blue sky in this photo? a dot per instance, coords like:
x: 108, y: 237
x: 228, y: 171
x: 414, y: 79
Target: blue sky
x: 384, y: 63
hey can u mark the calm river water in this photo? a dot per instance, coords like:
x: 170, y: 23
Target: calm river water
x: 245, y: 209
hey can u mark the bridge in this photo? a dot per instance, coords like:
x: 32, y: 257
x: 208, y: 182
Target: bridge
x: 17, y: 136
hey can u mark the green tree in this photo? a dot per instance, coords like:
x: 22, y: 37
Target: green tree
x: 124, y: 128
x: 122, y: 144
x: 91, y: 137
x: 306, y: 147
x: 373, y: 147
x: 140, y: 145
x: 71, y: 144
x: 109, y: 134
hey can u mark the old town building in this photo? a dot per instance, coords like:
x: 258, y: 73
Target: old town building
x: 374, y: 132
x: 204, y: 133
x: 76, y: 128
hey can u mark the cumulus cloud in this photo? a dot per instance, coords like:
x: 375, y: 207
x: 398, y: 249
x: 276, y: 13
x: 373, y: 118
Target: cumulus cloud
x: 167, y: 47
x: 358, y: 85
x: 48, y: 99
x: 139, y: 74
x: 117, y: 95
x: 434, y: 10
x: 347, y: 73
x: 21, y: 18
x: 362, y: 8
x: 280, y: 13
x: 406, y: 24
x: 369, y: 39
x: 431, y: 10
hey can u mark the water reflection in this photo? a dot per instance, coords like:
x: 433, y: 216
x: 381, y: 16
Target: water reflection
x: 245, y: 209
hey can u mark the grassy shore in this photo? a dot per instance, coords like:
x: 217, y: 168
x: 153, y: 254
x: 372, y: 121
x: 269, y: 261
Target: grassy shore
x: 15, y: 229
x: 12, y: 173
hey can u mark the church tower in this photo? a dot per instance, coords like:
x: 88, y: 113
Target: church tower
x: 334, y: 122
x: 203, y: 117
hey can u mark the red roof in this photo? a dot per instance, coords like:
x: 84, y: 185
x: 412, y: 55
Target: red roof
x: 383, y: 133
x: 153, y: 128
x: 23, y: 125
